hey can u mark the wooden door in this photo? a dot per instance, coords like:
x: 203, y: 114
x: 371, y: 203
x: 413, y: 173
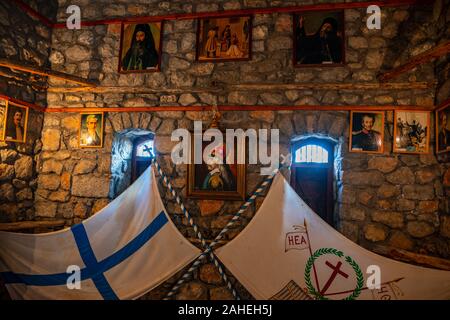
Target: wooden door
x: 313, y: 182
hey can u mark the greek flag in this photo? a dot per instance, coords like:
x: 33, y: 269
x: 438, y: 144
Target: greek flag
x: 125, y: 250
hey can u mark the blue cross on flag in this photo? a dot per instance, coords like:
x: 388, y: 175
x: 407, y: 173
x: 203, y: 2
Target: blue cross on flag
x: 125, y: 250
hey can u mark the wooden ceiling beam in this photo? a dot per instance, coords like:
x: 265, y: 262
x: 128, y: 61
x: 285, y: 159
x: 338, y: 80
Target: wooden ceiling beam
x: 33, y: 13
x: 20, y: 66
x: 415, y: 61
x: 443, y: 105
x: 251, y: 87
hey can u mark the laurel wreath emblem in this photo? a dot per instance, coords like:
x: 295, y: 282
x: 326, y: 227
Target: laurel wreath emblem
x: 340, y: 254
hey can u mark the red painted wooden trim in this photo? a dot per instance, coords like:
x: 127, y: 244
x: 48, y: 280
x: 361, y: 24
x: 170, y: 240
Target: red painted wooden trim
x: 25, y: 7
x: 209, y: 108
x: 425, y: 57
x: 443, y: 105
x: 290, y: 9
x: 22, y: 103
x: 129, y: 109
x: 234, y: 108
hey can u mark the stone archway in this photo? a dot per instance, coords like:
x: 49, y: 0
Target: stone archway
x: 121, y: 158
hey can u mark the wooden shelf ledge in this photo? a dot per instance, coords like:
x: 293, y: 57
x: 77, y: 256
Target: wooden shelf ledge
x: 21, y: 66
x: 26, y: 225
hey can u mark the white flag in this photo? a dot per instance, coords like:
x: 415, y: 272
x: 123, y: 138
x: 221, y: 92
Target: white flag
x: 288, y: 252
x: 125, y: 250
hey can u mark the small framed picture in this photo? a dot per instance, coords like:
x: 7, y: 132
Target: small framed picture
x: 140, y: 47
x: 443, y: 129
x: 224, y: 39
x: 367, y: 131
x: 15, y: 121
x: 319, y: 39
x: 91, y: 130
x: 217, y: 179
x: 411, y: 131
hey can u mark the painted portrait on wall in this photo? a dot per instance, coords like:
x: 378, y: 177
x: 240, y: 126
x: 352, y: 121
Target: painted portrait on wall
x: 3, y: 104
x: 222, y: 39
x: 411, y: 131
x: 15, y: 123
x: 366, y: 131
x: 443, y: 129
x: 140, y: 47
x: 319, y: 39
x: 443, y: 134
x: 214, y: 178
x: 91, y: 130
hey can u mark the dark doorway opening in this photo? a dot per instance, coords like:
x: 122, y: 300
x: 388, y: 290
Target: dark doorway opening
x: 142, y: 156
x: 312, y: 175
x: 129, y: 158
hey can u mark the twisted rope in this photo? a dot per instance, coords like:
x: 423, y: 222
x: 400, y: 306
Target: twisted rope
x: 197, y: 232
x: 261, y: 188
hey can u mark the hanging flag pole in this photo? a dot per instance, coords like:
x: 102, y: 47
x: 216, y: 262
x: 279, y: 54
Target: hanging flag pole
x: 262, y: 187
x: 310, y: 254
x: 207, y: 248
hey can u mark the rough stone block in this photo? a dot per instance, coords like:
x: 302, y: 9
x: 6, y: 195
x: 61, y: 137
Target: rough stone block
x: 192, y: 291
x: 389, y: 218
x: 90, y: 186
x: 45, y: 209
x: 383, y: 164
x: 404, y: 175
x: 210, y: 274
x: 401, y: 241
x: 51, y: 139
x: 375, y: 232
x: 419, y: 229
x: 52, y: 166
x: 210, y: 207
x: 24, y: 168
x: 6, y: 172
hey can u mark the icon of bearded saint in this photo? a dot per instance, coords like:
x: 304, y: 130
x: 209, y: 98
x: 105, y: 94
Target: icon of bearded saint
x: 142, y: 53
x: 324, y: 46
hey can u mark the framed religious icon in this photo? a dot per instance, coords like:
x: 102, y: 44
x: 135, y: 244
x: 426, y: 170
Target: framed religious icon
x: 411, y: 131
x: 219, y: 174
x: 3, y: 104
x: 443, y: 134
x: 91, y: 130
x: 140, y: 47
x: 366, y: 131
x: 15, y: 121
x: 319, y: 39
x: 224, y: 39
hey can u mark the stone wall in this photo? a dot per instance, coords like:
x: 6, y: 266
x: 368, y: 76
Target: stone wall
x: 442, y: 14
x: 388, y: 199
x: 443, y: 94
x: 22, y: 39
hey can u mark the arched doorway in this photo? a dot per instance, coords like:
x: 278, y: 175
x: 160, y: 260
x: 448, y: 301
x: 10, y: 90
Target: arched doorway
x: 312, y: 173
x: 129, y: 158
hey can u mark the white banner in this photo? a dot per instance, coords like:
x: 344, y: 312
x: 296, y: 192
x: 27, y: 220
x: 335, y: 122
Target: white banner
x: 288, y: 252
x: 125, y: 250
